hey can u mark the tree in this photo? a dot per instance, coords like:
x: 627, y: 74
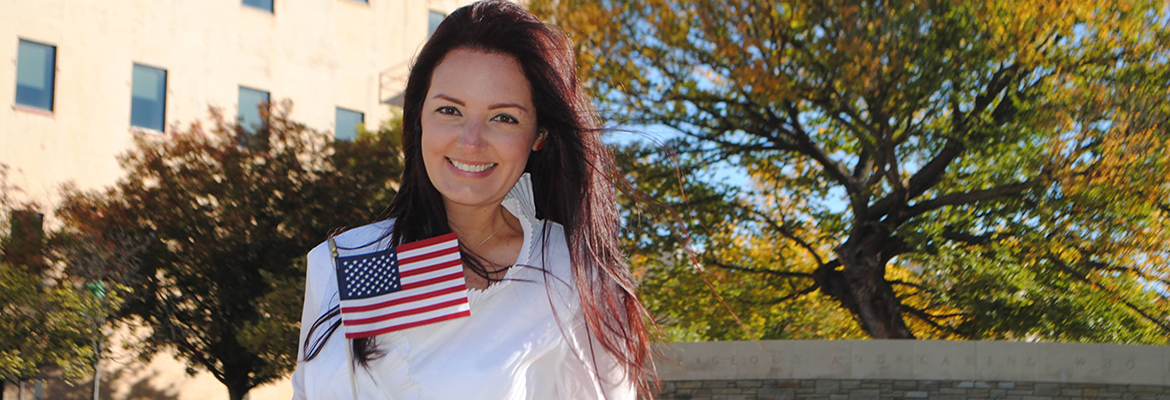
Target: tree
x: 230, y: 213
x: 44, y: 329
x: 936, y: 168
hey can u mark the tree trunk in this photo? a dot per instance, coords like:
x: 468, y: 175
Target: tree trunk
x: 237, y: 393
x: 861, y: 286
x: 97, y: 369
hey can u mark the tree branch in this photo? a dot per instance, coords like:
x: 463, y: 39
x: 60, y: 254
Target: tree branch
x: 957, y: 236
x: 786, y: 274
x: 790, y: 235
x: 930, y: 320
x: 952, y: 199
x: 796, y: 295
x: 1160, y: 322
x: 834, y: 169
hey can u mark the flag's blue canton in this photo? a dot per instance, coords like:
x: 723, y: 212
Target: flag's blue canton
x: 368, y: 275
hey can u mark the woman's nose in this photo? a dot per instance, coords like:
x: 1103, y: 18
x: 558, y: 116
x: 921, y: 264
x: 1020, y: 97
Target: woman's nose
x: 471, y: 137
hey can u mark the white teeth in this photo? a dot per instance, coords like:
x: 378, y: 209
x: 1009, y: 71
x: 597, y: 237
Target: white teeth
x: 472, y: 167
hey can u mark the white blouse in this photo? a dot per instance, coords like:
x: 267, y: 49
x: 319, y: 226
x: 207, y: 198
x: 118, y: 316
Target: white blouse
x: 525, y: 338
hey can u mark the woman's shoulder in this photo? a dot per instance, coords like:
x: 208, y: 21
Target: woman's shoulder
x: 551, y: 256
x: 358, y: 238
x: 351, y: 240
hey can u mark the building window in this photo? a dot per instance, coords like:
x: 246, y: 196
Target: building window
x: 251, y: 101
x: 148, y: 102
x: 434, y: 18
x: 35, y: 66
x: 265, y: 5
x: 347, y: 122
x: 26, y: 239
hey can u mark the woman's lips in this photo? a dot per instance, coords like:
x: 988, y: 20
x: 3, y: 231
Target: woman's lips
x: 473, y: 168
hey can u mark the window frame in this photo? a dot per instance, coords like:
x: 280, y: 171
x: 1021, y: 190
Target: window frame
x: 336, y: 120
x: 240, y: 106
x: 163, y: 106
x: 271, y: 8
x: 52, y: 78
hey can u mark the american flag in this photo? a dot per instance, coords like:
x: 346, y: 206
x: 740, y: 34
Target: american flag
x: 415, y: 284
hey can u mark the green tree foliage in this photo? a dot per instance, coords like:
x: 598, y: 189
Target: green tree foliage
x: 46, y: 318
x: 230, y: 215
x: 933, y: 168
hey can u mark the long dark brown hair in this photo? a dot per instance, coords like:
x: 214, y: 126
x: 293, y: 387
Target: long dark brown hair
x: 572, y: 176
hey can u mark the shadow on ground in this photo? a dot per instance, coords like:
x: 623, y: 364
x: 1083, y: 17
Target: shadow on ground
x: 140, y: 388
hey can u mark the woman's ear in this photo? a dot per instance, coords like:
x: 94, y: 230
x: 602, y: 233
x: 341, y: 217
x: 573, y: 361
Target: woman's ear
x: 541, y: 136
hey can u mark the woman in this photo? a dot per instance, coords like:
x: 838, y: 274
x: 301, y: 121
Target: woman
x: 501, y: 149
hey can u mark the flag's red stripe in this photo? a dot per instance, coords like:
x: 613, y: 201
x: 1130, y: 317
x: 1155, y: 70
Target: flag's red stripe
x: 405, y: 313
x: 409, y: 299
x: 426, y: 242
x: 427, y: 256
x: 449, y: 277
x: 433, y: 268
x: 461, y: 314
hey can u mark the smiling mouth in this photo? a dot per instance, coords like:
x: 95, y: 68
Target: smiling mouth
x: 471, y: 167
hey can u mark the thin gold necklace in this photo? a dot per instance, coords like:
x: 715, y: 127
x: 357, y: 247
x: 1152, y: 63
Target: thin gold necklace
x: 487, y: 238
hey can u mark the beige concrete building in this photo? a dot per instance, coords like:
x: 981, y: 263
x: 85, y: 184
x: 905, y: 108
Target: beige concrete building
x: 80, y: 77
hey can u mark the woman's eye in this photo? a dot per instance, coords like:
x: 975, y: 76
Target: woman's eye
x: 447, y: 110
x: 505, y: 118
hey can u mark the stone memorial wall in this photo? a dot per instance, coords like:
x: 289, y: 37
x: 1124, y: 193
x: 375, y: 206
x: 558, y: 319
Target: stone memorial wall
x: 885, y: 369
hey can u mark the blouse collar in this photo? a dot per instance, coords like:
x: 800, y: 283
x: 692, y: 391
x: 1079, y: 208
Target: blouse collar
x: 519, y: 200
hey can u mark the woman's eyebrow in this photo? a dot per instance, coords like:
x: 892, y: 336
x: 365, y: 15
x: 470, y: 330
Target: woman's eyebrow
x: 507, y: 105
x: 449, y: 98
x: 492, y: 107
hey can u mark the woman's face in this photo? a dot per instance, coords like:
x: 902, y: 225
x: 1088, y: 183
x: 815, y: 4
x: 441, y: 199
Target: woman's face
x: 478, y: 126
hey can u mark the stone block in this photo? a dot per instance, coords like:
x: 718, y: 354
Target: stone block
x: 917, y: 395
x: 1006, y: 385
x: 726, y: 391
x: 763, y: 360
x: 878, y: 359
x: 838, y: 397
x: 815, y: 359
x: 748, y: 384
x: 828, y: 386
x: 1134, y: 364
x: 1146, y: 389
x: 787, y: 383
x: 929, y: 386
x: 776, y: 394
x: 864, y: 394
x: 905, y: 385
x: 1046, y: 389
x: 978, y: 393
x: 1070, y: 362
x: 951, y: 397
x: 1015, y: 361
x: 944, y: 360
